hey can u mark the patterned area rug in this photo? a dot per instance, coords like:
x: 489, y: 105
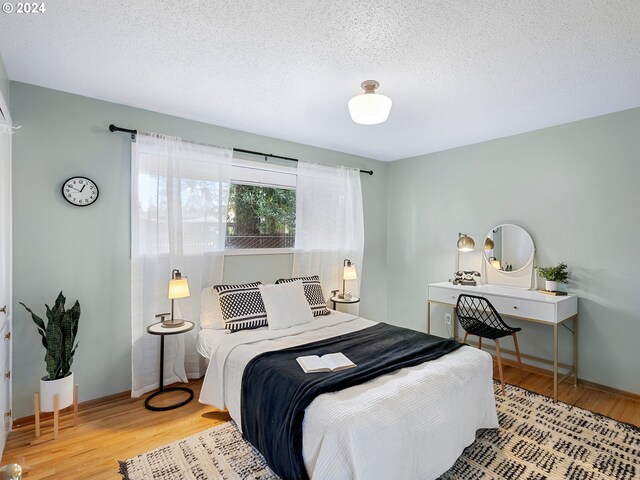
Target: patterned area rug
x: 537, y: 440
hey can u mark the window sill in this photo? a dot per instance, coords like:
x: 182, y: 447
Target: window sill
x: 258, y: 251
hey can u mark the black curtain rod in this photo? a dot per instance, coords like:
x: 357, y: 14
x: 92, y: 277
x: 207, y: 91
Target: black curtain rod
x: 113, y: 128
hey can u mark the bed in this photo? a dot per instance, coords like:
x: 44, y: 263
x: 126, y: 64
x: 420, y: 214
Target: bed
x: 410, y: 424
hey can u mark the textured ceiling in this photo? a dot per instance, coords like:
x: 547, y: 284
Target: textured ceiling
x: 458, y: 71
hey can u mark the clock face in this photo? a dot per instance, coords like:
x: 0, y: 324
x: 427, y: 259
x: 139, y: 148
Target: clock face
x: 80, y: 191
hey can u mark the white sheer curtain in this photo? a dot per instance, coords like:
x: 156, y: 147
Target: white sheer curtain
x: 179, y: 197
x: 329, y: 225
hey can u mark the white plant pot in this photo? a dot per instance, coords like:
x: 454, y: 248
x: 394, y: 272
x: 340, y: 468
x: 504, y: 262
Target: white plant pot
x: 63, y: 387
x: 551, y: 286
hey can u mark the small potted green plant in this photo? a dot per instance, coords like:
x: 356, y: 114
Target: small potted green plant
x: 554, y: 276
x: 58, y: 339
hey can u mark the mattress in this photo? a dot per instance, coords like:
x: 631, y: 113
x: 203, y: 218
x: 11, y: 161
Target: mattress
x: 410, y: 424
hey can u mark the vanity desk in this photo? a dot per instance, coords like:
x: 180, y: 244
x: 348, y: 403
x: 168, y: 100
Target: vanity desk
x: 529, y: 305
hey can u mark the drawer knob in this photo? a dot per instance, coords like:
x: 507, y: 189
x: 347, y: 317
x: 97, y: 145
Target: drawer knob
x: 515, y: 307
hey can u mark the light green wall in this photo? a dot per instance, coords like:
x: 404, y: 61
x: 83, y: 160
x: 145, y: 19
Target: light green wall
x: 4, y: 83
x: 85, y: 251
x: 574, y: 187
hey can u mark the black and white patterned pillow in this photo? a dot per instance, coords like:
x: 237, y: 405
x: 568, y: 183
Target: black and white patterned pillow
x: 241, y: 305
x: 313, y: 292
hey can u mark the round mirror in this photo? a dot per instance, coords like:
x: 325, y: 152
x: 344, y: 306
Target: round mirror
x: 508, y: 248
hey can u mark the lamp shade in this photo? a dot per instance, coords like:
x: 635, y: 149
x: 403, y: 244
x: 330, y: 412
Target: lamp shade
x: 369, y: 108
x: 488, y: 244
x: 349, y: 272
x: 465, y: 243
x: 496, y: 264
x: 179, y: 288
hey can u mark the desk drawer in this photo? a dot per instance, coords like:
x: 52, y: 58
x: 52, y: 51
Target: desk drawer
x: 523, y: 308
x: 443, y: 295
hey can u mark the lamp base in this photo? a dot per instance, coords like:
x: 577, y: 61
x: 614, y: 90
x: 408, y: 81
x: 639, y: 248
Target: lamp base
x: 175, y: 322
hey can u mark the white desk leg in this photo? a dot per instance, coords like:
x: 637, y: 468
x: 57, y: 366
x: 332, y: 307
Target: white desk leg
x: 428, y: 317
x: 575, y: 351
x: 555, y: 362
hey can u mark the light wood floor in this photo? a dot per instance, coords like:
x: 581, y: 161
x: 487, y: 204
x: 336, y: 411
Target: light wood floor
x: 120, y: 428
x: 107, y: 431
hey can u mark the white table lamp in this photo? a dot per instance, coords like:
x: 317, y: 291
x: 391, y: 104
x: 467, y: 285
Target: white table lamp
x: 348, y: 273
x: 178, y: 288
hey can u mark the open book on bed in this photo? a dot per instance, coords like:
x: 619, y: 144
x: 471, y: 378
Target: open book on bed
x: 331, y: 362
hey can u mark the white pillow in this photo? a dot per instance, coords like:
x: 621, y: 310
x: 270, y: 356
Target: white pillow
x: 286, y: 305
x: 210, y: 312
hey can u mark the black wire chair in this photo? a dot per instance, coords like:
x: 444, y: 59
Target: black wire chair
x: 478, y: 317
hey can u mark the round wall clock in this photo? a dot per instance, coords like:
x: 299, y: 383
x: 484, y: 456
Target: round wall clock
x: 80, y: 191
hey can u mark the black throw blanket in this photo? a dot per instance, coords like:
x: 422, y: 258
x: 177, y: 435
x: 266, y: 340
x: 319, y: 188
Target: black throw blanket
x: 276, y: 391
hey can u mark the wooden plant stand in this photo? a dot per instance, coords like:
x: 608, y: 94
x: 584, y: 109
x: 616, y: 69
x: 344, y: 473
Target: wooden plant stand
x: 56, y: 412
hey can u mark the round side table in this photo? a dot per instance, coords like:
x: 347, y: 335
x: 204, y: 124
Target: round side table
x: 158, y: 329
x: 344, y: 300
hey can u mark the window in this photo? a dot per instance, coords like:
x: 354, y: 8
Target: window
x: 262, y: 207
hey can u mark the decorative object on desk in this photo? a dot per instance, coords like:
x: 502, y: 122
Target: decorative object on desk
x: 465, y: 277
x: 511, y: 260
x: 178, y: 288
x: 465, y: 243
x: 347, y: 296
x: 348, y: 273
x: 369, y: 108
x: 554, y: 276
x: 80, y: 191
x: 555, y: 294
x: 57, y: 389
x: 495, y: 263
x: 512, y: 244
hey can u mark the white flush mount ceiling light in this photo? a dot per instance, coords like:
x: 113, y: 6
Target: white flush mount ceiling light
x: 369, y: 108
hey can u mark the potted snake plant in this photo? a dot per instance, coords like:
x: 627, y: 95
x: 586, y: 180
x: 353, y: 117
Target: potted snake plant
x: 58, y: 339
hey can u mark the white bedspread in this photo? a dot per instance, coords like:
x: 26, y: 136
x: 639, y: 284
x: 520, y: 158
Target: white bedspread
x: 411, y: 424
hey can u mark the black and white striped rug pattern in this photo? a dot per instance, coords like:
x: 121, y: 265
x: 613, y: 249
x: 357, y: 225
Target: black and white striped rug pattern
x: 537, y: 440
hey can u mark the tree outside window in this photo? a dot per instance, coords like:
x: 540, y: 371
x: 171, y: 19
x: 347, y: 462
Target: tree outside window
x: 261, y: 217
